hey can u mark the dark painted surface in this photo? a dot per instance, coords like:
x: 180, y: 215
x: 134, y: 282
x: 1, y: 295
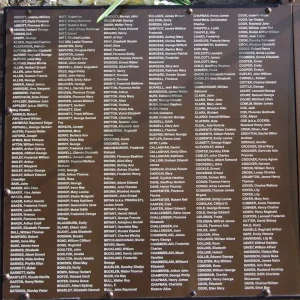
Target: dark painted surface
x: 151, y: 154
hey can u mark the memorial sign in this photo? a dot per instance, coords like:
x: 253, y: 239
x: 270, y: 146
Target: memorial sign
x: 150, y: 155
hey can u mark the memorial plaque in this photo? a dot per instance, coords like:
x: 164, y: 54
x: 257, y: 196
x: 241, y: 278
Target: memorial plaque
x: 150, y: 155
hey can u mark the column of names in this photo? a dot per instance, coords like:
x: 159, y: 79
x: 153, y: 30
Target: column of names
x: 76, y: 203
x: 30, y: 128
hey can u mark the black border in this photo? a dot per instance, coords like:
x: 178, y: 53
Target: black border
x: 6, y: 9
x: 2, y: 109
x: 296, y: 116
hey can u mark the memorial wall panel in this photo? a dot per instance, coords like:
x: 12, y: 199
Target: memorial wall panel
x: 150, y: 155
